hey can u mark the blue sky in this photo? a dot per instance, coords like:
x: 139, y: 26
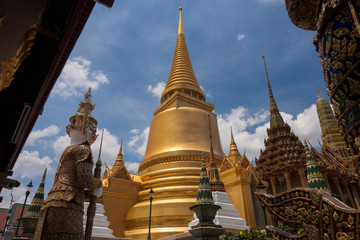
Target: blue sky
x: 125, y: 55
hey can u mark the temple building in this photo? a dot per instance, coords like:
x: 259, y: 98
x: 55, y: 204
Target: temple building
x: 119, y: 188
x: 282, y: 164
x: 240, y: 180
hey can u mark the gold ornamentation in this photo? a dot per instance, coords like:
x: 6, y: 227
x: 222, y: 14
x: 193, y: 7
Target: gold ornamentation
x: 11, y: 65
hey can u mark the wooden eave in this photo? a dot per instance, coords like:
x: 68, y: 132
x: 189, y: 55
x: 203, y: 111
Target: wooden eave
x: 58, y: 29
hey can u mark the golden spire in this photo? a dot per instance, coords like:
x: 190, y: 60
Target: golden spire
x: 275, y: 118
x: 119, y: 170
x: 232, y: 136
x: 182, y: 77
x: 120, y: 158
x: 234, y: 154
x: 120, y: 152
x: 181, y: 27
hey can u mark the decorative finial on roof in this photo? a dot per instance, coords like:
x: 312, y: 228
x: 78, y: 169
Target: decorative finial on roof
x: 314, y: 177
x: 120, y: 151
x: 204, y: 195
x: 38, y: 200
x: 232, y: 136
x: 318, y: 93
x: 275, y: 117
x: 234, y: 154
x: 181, y: 27
x: 267, y: 76
x: 119, y: 170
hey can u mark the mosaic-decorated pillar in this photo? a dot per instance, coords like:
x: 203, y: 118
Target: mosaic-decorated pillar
x: 338, y: 43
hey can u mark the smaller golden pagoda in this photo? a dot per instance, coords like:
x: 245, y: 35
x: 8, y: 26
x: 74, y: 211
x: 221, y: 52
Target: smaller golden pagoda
x: 118, y: 170
x: 120, y: 190
x: 283, y: 162
x: 240, y: 180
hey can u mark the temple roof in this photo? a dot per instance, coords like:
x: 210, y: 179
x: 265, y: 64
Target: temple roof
x: 182, y: 77
x: 283, y: 150
x: 119, y: 169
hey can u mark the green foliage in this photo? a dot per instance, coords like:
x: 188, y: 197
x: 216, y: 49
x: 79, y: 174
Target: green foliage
x: 246, y: 235
x: 291, y: 230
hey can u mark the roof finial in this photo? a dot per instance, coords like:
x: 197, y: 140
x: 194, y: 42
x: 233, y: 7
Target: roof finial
x: 267, y: 76
x: 181, y: 27
x: 275, y: 117
x: 120, y: 152
x: 232, y: 136
x: 318, y: 93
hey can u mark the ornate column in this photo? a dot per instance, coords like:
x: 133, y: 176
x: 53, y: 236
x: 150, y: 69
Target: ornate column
x: 338, y: 188
x: 302, y: 177
x: 273, y: 184
x: 287, y: 180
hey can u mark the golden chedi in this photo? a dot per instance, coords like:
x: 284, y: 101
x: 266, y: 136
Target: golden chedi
x: 178, y: 135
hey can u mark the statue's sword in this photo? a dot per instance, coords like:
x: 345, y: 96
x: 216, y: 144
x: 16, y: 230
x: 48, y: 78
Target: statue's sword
x: 92, y: 204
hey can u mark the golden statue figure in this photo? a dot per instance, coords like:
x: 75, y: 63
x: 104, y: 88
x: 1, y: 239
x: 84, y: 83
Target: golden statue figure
x: 61, y: 216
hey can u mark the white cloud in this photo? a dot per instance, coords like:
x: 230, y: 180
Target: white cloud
x: 110, y: 148
x: 18, y: 196
x: 240, y: 36
x: 138, y: 142
x: 77, y: 77
x: 38, y: 134
x: 60, y: 144
x: 157, y: 90
x: 29, y: 164
x: 132, y: 166
x: 135, y: 131
x: 240, y: 121
x: 304, y: 125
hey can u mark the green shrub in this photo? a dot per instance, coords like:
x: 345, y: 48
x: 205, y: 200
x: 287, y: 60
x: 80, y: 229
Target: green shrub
x: 291, y: 230
x: 246, y: 235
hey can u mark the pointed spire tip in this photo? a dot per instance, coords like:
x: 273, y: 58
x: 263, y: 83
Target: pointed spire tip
x: 181, y: 27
